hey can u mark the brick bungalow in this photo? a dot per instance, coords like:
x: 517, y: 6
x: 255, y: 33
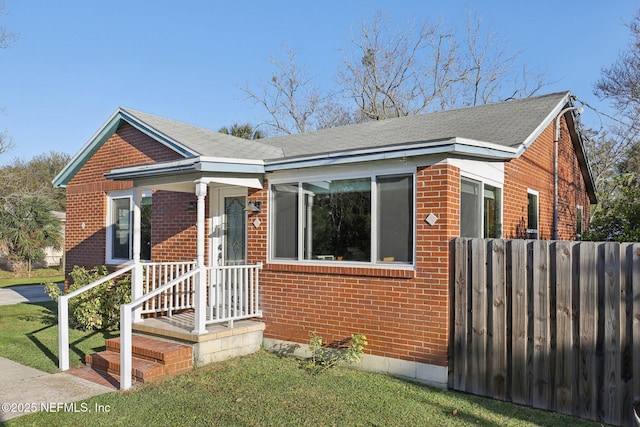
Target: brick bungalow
x: 352, y: 225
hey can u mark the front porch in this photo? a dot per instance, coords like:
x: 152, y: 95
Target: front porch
x: 204, y: 308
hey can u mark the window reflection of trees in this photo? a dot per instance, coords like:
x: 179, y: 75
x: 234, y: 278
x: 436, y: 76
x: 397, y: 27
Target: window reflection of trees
x: 338, y: 220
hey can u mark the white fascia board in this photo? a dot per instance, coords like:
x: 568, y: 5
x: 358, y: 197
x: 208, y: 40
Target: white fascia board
x: 449, y: 146
x: 543, y: 125
x: 194, y: 164
x: 157, y: 135
x: 87, y: 150
x: 222, y: 164
x: 105, y: 131
x: 249, y: 182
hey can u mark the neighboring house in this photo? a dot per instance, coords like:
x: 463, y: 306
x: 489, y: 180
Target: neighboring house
x: 352, y: 224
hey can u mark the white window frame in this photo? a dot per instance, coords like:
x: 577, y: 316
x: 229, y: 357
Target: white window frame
x: 355, y: 174
x: 117, y: 195
x: 483, y: 182
x: 530, y: 230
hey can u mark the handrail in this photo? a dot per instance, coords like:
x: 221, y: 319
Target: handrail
x: 126, y: 320
x: 63, y: 315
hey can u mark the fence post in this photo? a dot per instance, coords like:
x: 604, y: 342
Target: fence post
x: 200, y: 326
x: 125, y: 347
x: 63, y: 333
x: 137, y: 289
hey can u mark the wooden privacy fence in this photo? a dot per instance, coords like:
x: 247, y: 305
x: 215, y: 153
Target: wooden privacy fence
x: 553, y: 325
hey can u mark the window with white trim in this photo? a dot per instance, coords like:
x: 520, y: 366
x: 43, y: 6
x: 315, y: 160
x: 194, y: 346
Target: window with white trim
x: 120, y: 227
x: 363, y: 219
x: 480, y: 209
x: 533, y: 215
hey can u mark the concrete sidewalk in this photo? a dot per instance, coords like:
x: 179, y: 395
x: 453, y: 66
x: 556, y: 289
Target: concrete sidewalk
x: 24, y: 293
x: 24, y: 390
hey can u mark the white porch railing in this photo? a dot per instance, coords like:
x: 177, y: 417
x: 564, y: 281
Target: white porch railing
x: 233, y: 293
x: 63, y: 314
x: 126, y: 322
x: 181, y: 296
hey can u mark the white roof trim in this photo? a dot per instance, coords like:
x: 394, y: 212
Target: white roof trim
x: 240, y: 182
x: 457, y: 145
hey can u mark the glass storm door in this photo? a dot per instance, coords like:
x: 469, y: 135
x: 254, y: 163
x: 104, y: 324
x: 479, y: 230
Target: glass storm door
x: 233, y: 249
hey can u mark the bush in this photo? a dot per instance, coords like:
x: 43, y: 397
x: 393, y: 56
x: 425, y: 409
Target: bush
x: 326, y: 356
x: 98, y: 308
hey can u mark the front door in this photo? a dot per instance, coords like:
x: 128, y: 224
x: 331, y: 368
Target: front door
x: 232, y: 242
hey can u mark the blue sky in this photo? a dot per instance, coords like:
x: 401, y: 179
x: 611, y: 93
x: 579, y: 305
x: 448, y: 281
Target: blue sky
x: 76, y: 61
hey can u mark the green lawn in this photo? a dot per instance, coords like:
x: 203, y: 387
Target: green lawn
x: 29, y: 335
x: 258, y: 390
x: 41, y: 275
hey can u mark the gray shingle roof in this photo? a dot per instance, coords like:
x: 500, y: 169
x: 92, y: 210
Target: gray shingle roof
x: 206, y: 142
x: 508, y: 123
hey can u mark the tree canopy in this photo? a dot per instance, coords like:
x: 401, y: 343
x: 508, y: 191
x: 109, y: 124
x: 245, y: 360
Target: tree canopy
x: 391, y: 71
x: 614, y: 151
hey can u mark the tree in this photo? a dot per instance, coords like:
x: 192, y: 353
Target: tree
x: 615, y: 152
x: 245, y: 131
x: 397, y: 71
x: 290, y: 97
x: 6, y: 40
x: 618, y: 218
x: 27, y: 227
x: 392, y: 71
x: 33, y: 178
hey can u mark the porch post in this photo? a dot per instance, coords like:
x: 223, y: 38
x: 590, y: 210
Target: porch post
x: 136, y: 274
x: 201, y: 277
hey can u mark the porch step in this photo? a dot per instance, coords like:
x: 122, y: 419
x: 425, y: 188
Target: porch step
x: 152, y: 359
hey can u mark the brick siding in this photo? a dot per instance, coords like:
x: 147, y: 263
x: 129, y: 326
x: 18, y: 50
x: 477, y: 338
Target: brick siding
x: 404, y: 313
x: 534, y: 170
x: 87, y: 195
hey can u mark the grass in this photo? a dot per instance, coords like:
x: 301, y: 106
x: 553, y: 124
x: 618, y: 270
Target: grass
x: 29, y: 335
x: 258, y: 390
x: 38, y: 276
x: 264, y: 389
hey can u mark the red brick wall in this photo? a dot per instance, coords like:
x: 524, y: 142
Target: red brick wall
x: 403, y: 313
x: 534, y: 170
x: 173, y: 229
x: 87, y: 193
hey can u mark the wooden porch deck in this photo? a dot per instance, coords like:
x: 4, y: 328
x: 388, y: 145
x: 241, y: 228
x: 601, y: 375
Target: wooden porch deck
x: 179, y: 326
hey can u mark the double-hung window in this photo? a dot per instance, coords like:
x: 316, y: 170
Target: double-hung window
x: 360, y: 219
x: 480, y: 209
x: 120, y: 227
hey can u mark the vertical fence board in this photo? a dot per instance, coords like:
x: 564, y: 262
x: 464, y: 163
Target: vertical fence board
x: 460, y: 310
x: 635, y: 319
x: 541, y: 397
x: 520, y: 390
x: 477, y: 383
x: 554, y: 325
x: 611, y: 400
x: 588, y: 307
x: 565, y: 362
x: 625, y: 395
x: 499, y: 320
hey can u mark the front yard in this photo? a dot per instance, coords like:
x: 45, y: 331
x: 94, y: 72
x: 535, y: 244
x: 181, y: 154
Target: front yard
x: 258, y: 390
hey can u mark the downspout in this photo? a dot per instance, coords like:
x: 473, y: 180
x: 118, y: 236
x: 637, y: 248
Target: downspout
x: 556, y: 139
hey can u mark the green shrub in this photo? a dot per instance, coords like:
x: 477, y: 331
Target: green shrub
x: 326, y: 356
x: 98, y: 308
